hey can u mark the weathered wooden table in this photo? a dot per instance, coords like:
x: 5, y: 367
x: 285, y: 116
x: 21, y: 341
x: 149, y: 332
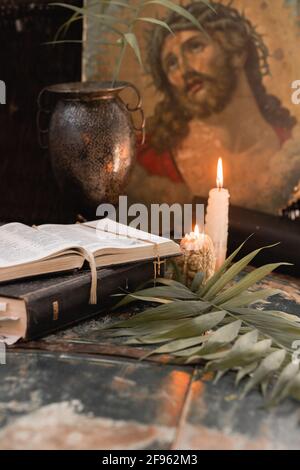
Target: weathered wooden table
x: 70, y: 391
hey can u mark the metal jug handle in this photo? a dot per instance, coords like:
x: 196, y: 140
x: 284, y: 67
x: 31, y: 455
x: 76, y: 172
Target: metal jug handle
x: 137, y: 107
x: 42, y: 111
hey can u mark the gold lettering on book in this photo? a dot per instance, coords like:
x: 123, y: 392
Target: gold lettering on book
x: 55, y: 308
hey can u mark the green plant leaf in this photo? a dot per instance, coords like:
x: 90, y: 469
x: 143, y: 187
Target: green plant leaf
x: 283, y: 382
x: 282, y: 330
x: 117, y: 3
x: 131, y: 39
x: 63, y: 41
x: 248, y: 298
x: 147, y: 298
x: 248, y: 281
x: 220, y: 338
x: 231, y: 273
x: 178, y: 9
x: 86, y: 11
x: 221, y: 331
x: 197, y: 281
x: 269, y: 365
x: 172, y: 311
x: 63, y: 29
x: 198, y: 325
x: 218, y: 376
x: 161, y: 292
x: 177, y: 345
x: 185, y: 329
x: 215, y: 278
x: 238, y: 355
x: 177, y: 273
x: 157, y: 328
x: 168, y: 282
x: 244, y: 371
x: 155, y: 21
x: 160, y: 280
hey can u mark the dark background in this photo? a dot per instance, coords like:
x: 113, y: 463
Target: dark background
x: 28, y: 192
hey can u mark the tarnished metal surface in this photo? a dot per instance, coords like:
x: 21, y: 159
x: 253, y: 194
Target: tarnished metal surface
x: 81, y: 394
x: 62, y: 401
x: 91, y: 140
x: 215, y: 418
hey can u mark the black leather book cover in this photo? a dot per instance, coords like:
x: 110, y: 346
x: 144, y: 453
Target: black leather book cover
x: 56, y: 301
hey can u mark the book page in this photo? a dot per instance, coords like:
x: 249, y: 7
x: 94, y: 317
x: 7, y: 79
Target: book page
x: 100, y: 234
x: 20, y: 244
x: 137, y: 237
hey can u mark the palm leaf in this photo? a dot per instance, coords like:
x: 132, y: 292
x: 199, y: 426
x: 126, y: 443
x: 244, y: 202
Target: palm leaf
x: 63, y: 41
x: 177, y: 9
x: 172, y: 311
x: 249, y: 298
x: 155, y: 21
x: 168, y: 282
x: 248, y: 281
x: 184, y: 329
x: 283, y: 383
x: 231, y: 273
x: 269, y: 365
x: 244, y: 371
x: 178, y: 275
x: 63, y: 29
x: 198, y: 325
x: 236, y: 356
x: 125, y: 29
x: 132, y: 41
x: 179, y: 345
x: 117, y: 3
x: 197, y: 282
x: 86, y: 11
x: 224, y: 335
x: 217, y: 276
x: 272, y: 324
x: 214, y: 324
x: 145, y: 298
x: 172, y: 292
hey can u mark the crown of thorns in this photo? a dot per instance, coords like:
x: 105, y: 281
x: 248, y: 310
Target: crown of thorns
x: 219, y: 17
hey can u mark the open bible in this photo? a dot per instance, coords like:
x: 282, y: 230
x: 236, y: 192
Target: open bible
x: 29, y: 251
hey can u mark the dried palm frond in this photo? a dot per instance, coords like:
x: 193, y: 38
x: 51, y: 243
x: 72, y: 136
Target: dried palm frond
x: 216, y: 324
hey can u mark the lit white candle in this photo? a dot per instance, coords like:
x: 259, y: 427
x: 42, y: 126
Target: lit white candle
x: 216, y: 221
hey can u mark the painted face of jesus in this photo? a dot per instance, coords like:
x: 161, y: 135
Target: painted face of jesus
x: 200, y: 72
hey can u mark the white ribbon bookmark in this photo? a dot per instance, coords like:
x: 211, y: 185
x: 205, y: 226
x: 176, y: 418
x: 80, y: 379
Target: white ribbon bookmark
x: 89, y: 257
x: 93, y: 292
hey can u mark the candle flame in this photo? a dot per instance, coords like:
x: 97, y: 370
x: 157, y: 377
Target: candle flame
x: 220, y: 174
x: 197, y: 232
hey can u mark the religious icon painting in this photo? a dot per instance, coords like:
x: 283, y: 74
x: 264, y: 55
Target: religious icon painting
x: 224, y: 91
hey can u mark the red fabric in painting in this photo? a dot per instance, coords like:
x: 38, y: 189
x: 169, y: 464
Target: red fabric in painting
x: 163, y: 164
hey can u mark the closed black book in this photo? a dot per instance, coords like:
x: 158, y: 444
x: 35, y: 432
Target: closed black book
x: 36, y: 307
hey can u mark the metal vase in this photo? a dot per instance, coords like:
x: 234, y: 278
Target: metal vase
x: 91, y: 138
